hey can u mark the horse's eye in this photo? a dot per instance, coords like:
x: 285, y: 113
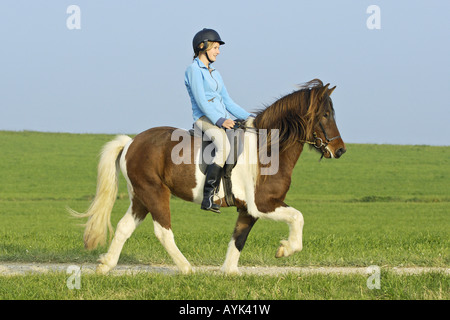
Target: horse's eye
x: 326, y: 115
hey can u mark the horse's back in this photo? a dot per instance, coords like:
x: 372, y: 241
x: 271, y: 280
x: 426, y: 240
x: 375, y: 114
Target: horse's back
x: 155, y: 135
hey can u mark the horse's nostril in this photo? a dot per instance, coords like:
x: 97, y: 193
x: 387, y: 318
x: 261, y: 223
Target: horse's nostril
x: 340, y: 152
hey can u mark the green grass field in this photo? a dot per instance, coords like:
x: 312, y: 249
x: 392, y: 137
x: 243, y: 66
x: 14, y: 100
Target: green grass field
x: 379, y: 205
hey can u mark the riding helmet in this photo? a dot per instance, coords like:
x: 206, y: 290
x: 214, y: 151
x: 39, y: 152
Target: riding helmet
x: 204, y: 36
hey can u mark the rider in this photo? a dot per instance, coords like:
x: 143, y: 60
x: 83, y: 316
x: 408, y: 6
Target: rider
x: 211, y: 107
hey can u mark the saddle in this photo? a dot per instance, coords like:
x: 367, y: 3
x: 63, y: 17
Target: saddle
x: 236, y: 139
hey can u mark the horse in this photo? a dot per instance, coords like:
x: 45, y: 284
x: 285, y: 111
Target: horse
x: 305, y: 116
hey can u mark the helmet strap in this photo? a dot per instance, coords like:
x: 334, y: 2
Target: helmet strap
x: 207, y: 57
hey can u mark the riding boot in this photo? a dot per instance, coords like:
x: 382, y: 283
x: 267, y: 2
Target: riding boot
x: 212, y: 183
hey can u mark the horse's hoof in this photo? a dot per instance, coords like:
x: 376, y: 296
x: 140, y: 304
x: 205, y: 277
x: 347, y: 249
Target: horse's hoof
x: 231, y: 271
x: 234, y: 272
x: 102, y: 269
x: 186, y: 270
x: 282, y: 250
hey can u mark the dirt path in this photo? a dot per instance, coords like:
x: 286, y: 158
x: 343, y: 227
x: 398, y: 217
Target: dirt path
x: 7, y: 268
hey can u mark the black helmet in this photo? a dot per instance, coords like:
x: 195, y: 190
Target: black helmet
x: 204, y: 36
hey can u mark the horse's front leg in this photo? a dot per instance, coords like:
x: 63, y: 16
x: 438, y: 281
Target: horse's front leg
x: 294, y: 219
x: 243, y: 226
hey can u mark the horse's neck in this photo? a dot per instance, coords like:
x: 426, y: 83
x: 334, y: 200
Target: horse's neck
x: 286, y: 163
x: 271, y: 190
x: 289, y: 158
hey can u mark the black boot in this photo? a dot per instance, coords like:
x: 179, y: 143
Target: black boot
x: 212, y: 182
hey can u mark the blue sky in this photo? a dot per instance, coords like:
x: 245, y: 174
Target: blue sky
x: 123, y: 71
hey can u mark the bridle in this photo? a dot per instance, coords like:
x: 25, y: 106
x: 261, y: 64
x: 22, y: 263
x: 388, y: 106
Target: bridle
x: 318, y: 143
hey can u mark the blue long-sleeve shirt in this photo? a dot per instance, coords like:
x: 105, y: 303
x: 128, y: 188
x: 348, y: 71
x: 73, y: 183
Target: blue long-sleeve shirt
x: 208, y: 94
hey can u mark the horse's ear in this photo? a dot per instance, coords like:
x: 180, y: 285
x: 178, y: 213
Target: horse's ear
x: 330, y: 91
x: 323, y: 90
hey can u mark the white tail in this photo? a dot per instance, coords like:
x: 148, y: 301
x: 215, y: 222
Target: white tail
x: 99, y: 211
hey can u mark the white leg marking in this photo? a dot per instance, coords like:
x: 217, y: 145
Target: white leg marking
x: 230, y: 265
x: 125, y: 228
x: 295, y: 221
x: 293, y: 218
x: 165, y: 236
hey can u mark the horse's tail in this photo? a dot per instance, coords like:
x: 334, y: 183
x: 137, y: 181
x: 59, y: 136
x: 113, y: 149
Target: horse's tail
x: 99, y: 212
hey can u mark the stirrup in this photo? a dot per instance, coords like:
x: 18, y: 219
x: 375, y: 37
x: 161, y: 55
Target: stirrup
x: 212, y: 207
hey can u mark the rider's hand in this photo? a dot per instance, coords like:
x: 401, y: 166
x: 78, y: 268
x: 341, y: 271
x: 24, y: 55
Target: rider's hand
x: 228, y: 124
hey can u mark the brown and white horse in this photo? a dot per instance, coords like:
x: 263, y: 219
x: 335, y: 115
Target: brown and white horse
x: 304, y: 116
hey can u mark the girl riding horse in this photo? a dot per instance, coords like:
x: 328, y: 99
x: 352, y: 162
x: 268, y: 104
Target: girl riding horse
x: 211, y: 107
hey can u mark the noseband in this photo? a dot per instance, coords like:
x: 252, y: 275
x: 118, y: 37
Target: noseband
x: 318, y: 143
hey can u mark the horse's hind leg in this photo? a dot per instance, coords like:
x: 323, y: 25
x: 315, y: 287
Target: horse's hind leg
x: 243, y: 226
x: 135, y: 214
x: 157, y: 201
x: 166, y: 238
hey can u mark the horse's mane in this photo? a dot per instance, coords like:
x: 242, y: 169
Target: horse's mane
x: 295, y: 115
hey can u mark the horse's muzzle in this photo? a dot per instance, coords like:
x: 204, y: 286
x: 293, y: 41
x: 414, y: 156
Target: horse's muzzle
x: 339, y: 152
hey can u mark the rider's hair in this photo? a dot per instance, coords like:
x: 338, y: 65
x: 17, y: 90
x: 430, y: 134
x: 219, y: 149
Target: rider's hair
x: 201, y: 46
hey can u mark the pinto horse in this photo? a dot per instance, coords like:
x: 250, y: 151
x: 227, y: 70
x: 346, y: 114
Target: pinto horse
x: 306, y: 116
